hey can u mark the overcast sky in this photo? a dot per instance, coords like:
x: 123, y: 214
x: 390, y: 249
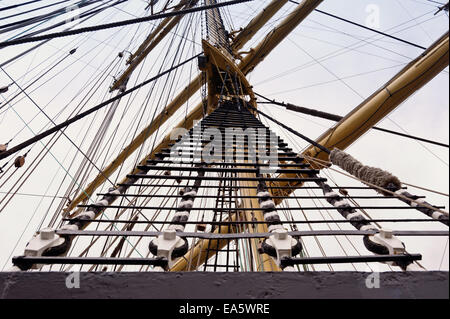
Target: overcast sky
x: 324, y: 64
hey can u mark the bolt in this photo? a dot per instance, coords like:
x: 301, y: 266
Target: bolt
x: 47, y: 233
x: 169, y: 234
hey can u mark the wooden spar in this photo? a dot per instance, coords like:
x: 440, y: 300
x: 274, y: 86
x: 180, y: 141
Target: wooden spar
x: 408, y: 81
x: 256, y: 24
x: 218, y: 60
x: 169, y: 23
x: 159, y: 120
x: 274, y: 38
x: 155, y: 32
x: 151, y: 42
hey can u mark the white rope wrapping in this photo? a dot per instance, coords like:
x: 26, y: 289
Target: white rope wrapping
x: 181, y: 214
x: 190, y: 194
x: 269, y: 215
x: 351, y: 216
x: 372, y: 175
x: 331, y: 194
x: 268, y: 204
x: 263, y: 194
x: 186, y: 205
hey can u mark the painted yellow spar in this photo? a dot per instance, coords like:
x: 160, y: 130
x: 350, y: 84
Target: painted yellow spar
x: 162, y: 117
x: 200, y: 252
x: 256, y: 24
x: 263, y: 262
x: 414, y: 76
x: 278, y: 34
x: 152, y: 41
x: 155, y: 32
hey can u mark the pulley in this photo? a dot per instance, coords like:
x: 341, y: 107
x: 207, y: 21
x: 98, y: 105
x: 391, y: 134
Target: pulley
x: 19, y: 161
x: 200, y: 227
x: 4, y: 89
x: 151, y: 3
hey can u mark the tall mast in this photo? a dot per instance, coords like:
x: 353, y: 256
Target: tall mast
x: 253, y: 27
x: 256, y: 56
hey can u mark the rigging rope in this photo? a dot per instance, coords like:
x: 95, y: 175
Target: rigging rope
x: 367, y: 28
x: 18, y: 5
x: 384, y: 181
x: 44, y: 17
x: 321, y: 147
x: 56, y: 128
x: 337, y: 118
x: 90, y: 15
x: 87, y: 13
x: 118, y: 24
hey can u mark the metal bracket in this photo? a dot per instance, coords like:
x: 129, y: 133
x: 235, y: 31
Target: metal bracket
x: 41, y: 241
x: 282, y: 242
x: 386, y: 238
x: 166, y: 243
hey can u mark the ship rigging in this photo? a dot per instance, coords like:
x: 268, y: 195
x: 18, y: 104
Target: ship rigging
x: 163, y: 148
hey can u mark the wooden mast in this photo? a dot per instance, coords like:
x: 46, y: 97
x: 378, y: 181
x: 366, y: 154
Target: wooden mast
x: 253, y: 27
x: 255, y: 57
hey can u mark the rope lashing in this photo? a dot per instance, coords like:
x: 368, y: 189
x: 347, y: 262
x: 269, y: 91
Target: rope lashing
x: 83, y: 219
x: 272, y: 218
x: 365, y: 173
x: 19, y: 161
x: 181, y: 218
x: 426, y: 210
x: 358, y: 221
x: 119, y: 23
x: 319, y: 146
x: 385, y: 181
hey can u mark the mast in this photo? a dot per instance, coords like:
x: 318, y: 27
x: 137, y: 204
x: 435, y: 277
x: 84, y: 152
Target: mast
x: 232, y: 104
x: 163, y: 29
x: 172, y: 107
x: 254, y: 58
x: 256, y: 24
